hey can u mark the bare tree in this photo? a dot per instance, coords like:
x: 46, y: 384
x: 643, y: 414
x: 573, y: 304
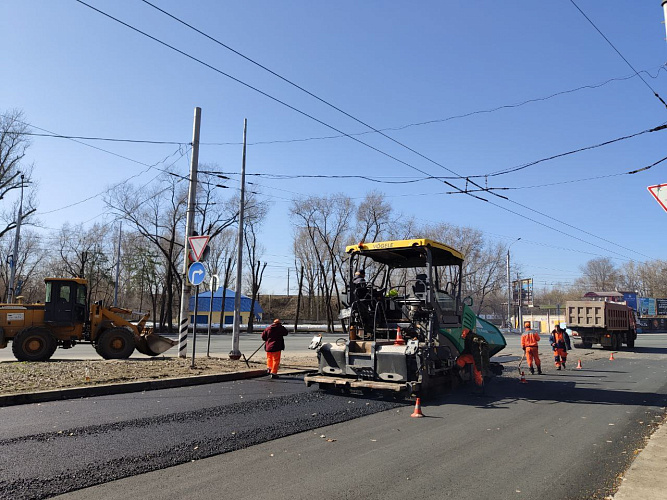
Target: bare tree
x: 374, y: 218
x: 28, y: 264
x: 158, y: 215
x: 255, y: 213
x: 256, y: 271
x: 484, y: 264
x: 325, y: 221
x: 599, y: 275
x: 14, y: 173
x: 87, y: 253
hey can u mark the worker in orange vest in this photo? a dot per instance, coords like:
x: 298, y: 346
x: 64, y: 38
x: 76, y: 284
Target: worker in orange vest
x: 529, y: 341
x: 560, y: 343
x: 475, y: 353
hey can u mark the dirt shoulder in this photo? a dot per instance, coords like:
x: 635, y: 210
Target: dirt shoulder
x: 24, y: 377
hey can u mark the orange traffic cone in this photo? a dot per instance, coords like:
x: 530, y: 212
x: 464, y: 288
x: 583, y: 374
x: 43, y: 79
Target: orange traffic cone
x: 611, y: 357
x: 399, y: 338
x: 523, y: 378
x: 578, y: 367
x: 418, y: 409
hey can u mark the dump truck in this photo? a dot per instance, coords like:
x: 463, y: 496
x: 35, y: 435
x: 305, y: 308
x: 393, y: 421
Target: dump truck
x: 403, y: 327
x: 65, y: 319
x: 610, y: 324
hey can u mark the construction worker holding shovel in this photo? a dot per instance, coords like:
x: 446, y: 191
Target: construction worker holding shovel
x: 529, y: 340
x: 273, y: 336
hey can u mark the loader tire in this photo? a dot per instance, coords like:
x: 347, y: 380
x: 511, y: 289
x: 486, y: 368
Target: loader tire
x: 34, y: 344
x: 115, y: 343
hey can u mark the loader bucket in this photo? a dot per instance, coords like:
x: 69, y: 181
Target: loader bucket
x: 151, y: 344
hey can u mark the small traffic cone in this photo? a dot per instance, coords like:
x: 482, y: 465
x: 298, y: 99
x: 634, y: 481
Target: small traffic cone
x: 418, y: 409
x: 523, y: 378
x: 578, y: 367
x: 611, y: 357
x: 399, y: 338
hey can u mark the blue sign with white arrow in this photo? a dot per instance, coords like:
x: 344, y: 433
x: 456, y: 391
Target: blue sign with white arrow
x: 196, y: 273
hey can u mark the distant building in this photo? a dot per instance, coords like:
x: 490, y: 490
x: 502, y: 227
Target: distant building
x: 204, y: 315
x: 605, y: 296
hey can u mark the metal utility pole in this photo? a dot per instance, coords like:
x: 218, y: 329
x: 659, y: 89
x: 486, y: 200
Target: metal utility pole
x: 509, y: 286
x: 115, y: 290
x: 15, y: 255
x: 235, y: 353
x: 184, y: 317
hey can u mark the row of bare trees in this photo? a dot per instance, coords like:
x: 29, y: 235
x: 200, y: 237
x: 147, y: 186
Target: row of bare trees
x: 324, y: 225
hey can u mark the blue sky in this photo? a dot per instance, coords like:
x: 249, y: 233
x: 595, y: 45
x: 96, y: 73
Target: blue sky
x: 75, y: 72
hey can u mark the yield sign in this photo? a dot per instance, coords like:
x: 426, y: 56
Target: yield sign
x: 198, y: 244
x: 659, y: 192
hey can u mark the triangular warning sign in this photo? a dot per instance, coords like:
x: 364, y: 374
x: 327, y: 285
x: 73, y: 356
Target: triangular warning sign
x: 659, y: 192
x: 198, y: 244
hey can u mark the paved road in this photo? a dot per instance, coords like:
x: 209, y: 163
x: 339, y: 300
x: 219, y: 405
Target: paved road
x: 575, y: 431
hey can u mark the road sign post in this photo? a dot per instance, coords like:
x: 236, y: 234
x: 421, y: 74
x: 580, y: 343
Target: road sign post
x: 194, y: 326
x: 196, y: 275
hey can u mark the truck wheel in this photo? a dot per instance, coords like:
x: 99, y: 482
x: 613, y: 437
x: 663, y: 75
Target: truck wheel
x: 631, y: 341
x: 115, y: 343
x: 34, y: 344
x: 617, y: 343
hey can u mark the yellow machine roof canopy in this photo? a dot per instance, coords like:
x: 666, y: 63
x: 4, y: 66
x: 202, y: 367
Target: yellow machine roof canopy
x: 407, y: 253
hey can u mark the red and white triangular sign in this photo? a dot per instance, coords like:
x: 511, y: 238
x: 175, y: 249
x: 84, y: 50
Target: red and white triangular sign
x: 659, y: 192
x: 198, y: 244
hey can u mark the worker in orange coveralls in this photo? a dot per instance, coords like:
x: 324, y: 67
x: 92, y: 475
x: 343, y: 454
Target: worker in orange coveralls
x: 560, y: 343
x: 274, y: 335
x: 529, y: 341
x: 467, y: 356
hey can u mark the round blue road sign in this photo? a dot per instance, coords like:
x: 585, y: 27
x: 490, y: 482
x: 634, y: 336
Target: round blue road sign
x: 196, y: 273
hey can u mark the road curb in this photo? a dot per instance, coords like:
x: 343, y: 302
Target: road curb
x: 129, y: 387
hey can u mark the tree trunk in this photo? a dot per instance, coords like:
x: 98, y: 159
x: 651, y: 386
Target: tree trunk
x: 298, y: 302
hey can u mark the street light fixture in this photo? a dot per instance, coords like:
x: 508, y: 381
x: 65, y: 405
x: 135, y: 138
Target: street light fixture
x: 509, y: 286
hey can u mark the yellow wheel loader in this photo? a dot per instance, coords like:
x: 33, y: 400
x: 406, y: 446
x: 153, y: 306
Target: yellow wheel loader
x: 65, y: 319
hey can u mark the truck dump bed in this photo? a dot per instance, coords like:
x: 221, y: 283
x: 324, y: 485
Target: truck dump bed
x: 597, y: 314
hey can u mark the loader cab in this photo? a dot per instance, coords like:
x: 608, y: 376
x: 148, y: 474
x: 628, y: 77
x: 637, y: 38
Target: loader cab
x: 65, y: 303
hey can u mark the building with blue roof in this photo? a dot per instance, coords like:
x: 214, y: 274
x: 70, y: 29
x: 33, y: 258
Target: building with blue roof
x: 204, y: 315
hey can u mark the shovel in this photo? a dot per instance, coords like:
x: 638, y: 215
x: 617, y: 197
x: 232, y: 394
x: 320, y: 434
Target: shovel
x: 248, y: 359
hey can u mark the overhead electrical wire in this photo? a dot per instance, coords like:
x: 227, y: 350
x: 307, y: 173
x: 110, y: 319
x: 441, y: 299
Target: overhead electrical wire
x: 290, y: 82
x: 189, y: 56
x: 561, y: 155
x: 73, y: 139
x: 108, y: 139
x: 383, y: 180
x: 154, y: 166
x: 440, y: 120
x: 341, y: 136
x: 619, y: 53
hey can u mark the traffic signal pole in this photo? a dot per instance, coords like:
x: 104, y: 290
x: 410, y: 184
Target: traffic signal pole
x: 184, y: 318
